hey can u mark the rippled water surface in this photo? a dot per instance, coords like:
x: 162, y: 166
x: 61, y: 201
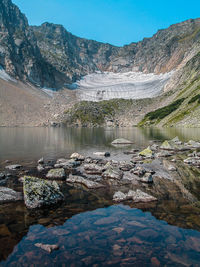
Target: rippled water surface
x: 88, y: 228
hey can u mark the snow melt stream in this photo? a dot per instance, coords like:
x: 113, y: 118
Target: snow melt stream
x: 130, y: 85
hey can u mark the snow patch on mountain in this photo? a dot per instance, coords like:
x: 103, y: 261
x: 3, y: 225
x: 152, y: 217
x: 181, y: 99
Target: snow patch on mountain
x: 130, y: 85
x: 5, y: 76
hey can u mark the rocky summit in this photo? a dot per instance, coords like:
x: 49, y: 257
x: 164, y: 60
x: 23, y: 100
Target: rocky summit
x: 163, y: 77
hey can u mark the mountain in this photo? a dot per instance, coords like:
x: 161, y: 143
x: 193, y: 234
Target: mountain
x: 48, y: 56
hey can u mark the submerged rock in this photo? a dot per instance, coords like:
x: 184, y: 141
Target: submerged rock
x: 39, y: 192
x: 56, y: 174
x: 121, y: 141
x: 13, y: 167
x: 46, y: 247
x: 9, y: 195
x: 77, y: 156
x: 147, y: 153
x: 80, y: 180
x: 136, y: 196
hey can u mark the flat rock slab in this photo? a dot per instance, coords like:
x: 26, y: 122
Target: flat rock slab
x: 9, y: 195
x: 121, y: 141
x: 80, y: 180
x: 39, y: 192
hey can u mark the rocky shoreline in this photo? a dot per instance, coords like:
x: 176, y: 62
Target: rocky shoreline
x: 147, y: 176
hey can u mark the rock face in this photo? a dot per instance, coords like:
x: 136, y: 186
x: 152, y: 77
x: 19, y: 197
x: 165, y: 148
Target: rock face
x: 9, y: 195
x: 50, y: 56
x: 39, y: 193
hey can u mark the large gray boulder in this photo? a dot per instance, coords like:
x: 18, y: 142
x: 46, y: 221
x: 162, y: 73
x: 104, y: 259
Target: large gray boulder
x: 39, y: 192
x: 9, y: 195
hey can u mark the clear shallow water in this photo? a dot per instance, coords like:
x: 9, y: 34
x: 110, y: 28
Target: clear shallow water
x: 89, y: 230
x: 114, y: 236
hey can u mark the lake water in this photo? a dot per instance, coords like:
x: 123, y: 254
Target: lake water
x: 88, y: 228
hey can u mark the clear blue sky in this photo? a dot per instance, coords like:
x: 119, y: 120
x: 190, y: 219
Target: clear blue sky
x: 117, y: 22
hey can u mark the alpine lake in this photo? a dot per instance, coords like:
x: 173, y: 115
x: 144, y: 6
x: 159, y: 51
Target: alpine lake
x: 88, y: 227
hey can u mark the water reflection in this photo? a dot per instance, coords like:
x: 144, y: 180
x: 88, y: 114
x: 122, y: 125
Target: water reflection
x: 114, y: 236
x: 32, y: 143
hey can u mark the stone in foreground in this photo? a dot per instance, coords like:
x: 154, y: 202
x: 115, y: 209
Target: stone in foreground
x: 46, y: 247
x: 121, y: 141
x: 9, y: 195
x: 80, y: 180
x: 39, y: 192
x: 136, y: 196
x: 56, y: 174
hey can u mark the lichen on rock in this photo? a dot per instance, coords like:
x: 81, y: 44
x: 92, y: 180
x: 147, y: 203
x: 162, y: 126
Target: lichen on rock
x: 39, y: 192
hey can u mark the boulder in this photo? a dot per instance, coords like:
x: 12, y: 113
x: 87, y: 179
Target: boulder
x: 13, y: 167
x: 102, y: 154
x: 140, y: 196
x: 67, y: 164
x: 77, y: 156
x: 56, y: 174
x: 39, y: 192
x: 93, y: 169
x: 41, y: 161
x: 112, y: 173
x: 146, y: 178
x: 125, y: 166
x: 80, y: 180
x: 194, y: 144
x: 139, y: 171
x: 9, y: 195
x: 147, y: 153
x: 136, y: 196
x: 121, y: 141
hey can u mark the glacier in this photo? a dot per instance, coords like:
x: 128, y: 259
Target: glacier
x: 130, y: 85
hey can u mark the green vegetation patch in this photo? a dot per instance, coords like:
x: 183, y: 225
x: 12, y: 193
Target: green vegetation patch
x: 161, y: 113
x: 95, y: 113
x: 194, y: 99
